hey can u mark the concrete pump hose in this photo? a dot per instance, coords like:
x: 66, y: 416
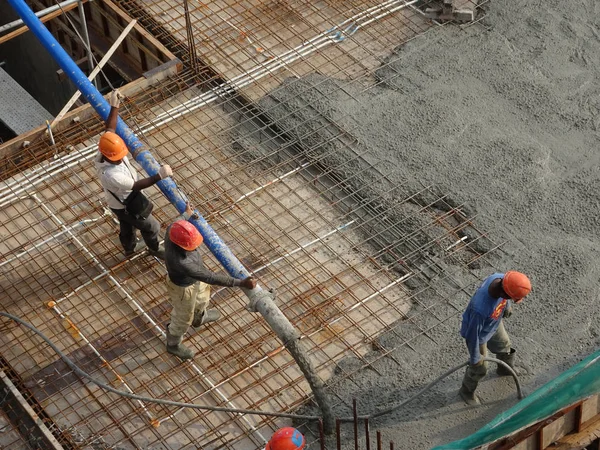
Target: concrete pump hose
x: 433, y: 383
x: 108, y: 388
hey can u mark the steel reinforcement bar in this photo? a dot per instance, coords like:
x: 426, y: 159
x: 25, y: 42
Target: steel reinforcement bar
x: 260, y: 300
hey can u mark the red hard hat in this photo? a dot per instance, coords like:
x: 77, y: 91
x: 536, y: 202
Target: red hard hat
x: 112, y: 146
x: 185, y: 235
x: 516, y: 285
x: 287, y: 438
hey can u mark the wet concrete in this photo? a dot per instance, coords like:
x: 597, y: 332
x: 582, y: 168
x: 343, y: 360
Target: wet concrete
x: 504, y: 115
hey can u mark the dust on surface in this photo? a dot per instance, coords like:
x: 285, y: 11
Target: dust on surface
x: 505, y: 116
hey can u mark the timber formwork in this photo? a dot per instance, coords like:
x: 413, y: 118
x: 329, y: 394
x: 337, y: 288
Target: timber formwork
x: 340, y: 266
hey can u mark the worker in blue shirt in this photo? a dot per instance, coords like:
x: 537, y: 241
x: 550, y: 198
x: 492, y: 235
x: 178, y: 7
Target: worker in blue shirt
x: 482, y: 327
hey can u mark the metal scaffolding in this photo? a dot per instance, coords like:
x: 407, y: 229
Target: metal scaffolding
x: 347, y: 262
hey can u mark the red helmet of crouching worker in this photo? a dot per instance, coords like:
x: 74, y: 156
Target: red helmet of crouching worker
x: 185, y: 235
x: 287, y: 438
x: 516, y: 284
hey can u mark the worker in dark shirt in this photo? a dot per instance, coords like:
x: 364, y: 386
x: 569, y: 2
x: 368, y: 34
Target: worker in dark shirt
x: 482, y: 327
x: 188, y: 284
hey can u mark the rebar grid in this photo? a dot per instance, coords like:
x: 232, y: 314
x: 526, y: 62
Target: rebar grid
x: 10, y: 437
x: 296, y: 217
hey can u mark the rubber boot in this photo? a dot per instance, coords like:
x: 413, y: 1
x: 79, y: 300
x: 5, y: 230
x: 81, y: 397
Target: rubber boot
x: 159, y: 253
x: 508, y: 358
x: 469, y: 396
x: 139, y: 246
x: 175, y: 347
x: 208, y: 315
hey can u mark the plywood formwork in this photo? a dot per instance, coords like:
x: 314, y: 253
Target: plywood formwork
x: 301, y: 226
x: 106, y: 326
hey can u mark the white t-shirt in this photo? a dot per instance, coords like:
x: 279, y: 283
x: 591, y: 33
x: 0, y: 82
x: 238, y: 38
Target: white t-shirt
x: 118, y: 178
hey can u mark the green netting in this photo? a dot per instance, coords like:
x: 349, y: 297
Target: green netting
x: 580, y: 381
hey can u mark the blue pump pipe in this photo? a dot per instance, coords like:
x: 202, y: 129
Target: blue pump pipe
x: 260, y: 300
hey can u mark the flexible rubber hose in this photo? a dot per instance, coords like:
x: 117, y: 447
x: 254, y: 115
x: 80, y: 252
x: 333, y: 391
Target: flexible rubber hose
x: 433, y: 383
x: 108, y: 388
x: 379, y: 413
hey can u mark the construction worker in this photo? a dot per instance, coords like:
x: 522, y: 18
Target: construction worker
x: 483, y: 328
x: 121, y: 185
x: 287, y: 438
x: 188, y: 284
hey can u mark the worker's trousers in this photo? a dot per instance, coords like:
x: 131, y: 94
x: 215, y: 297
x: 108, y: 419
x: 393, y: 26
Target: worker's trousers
x: 498, y: 344
x: 149, y: 228
x: 188, y: 302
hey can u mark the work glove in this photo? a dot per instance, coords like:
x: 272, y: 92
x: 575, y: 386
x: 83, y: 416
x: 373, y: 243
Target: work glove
x: 114, y: 99
x: 507, y: 312
x: 165, y: 171
x: 249, y: 283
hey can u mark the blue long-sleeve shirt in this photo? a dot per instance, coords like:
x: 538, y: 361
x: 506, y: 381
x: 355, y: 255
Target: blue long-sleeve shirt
x: 482, y: 317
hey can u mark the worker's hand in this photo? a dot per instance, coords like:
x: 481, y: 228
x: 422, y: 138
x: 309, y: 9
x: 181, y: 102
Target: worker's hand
x: 249, y: 283
x: 165, y: 171
x: 115, y: 98
x: 507, y: 312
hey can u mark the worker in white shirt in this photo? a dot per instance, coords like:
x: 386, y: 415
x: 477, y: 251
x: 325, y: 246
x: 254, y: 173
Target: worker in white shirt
x: 122, y: 188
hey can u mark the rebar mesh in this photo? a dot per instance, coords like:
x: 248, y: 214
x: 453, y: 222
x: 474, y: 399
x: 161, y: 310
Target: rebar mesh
x: 348, y: 260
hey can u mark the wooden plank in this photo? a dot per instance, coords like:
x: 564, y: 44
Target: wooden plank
x: 26, y: 415
x: 578, y: 418
x: 591, y: 407
x: 560, y: 427
x: 581, y: 440
x: 95, y: 72
x: 155, y: 42
x: 509, y: 442
x: 84, y: 112
x: 44, y: 19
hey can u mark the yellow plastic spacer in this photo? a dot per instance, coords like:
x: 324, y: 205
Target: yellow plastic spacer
x: 51, y: 304
x: 155, y: 423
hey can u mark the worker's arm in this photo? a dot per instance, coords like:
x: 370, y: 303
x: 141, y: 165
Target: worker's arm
x: 471, y: 334
x: 218, y: 279
x: 114, y: 100
x: 507, y: 310
x: 164, y: 172
x: 195, y: 267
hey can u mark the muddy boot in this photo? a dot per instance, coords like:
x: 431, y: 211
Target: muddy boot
x: 139, y: 246
x: 508, y: 358
x: 208, y: 315
x: 159, y: 253
x: 469, y: 396
x: 175, y: 347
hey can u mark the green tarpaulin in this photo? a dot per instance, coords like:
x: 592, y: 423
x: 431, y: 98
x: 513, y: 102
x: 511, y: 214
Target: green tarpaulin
x: 579, y: 382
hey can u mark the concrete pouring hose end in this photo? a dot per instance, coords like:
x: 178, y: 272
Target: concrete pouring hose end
x: 382, y: 412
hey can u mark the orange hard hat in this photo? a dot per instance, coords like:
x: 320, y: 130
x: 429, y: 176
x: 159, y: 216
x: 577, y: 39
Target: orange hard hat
x: 185, y: 235
x: 112, y: 146
x: 287, y: 438
x: 516, y: 285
